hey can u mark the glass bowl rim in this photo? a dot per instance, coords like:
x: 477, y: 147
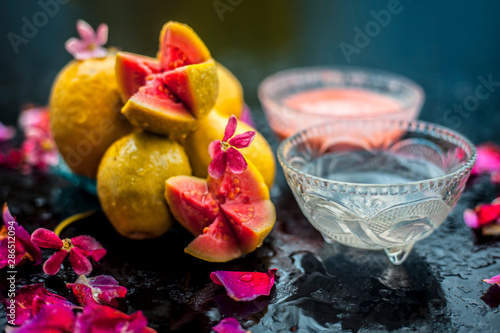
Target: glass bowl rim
x: 464, y: 169
x: 264, y: 95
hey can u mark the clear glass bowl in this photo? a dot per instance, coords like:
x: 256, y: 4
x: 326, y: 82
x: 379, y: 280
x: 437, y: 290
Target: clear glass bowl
x: 377, y: 184
x: 285, y: 121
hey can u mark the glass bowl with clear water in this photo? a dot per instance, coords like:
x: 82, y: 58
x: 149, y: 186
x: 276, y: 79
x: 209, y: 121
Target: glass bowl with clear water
x: 377, y: 184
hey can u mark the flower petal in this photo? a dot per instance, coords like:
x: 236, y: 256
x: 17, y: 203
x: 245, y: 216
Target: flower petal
x: 102, y: 34
x: 74, y: 45
x: 30, y: 298
x: 493, y: 280
x: 488, y: 158
x: 6, y: 132
x: 46, y: 238
x: 52, y: 318
x: 81, y: 265
x: 53, y: 264
x: 230, y: 128
x: 242, y: 140
x: 217, y: 167
x: 229, y: 325
x: 86, y: 32
x: 102, y: 289
x: 24, y: 246
x: 86, y: 243
x: 245, y: 286
x: 470, y: 218
x: 235, y: 161
x: 102, y: 318
x: 246, y: 116
x: 214, y: 148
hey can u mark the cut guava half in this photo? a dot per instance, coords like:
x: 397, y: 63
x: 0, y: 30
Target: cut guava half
x: 169, y: 94
x: 209, y: 208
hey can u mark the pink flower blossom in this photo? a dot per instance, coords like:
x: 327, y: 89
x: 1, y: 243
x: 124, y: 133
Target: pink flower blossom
x: 90, y: 43
x: 6, y: 132
x: 229, y: 325
x: 493, y: 280
x: 105, y: 319
x: 245, y: 286
x: 16, y: 246
x: 79, y: 249
x: 102, y: 289
x: 224, y: 153
x: 38, y: 148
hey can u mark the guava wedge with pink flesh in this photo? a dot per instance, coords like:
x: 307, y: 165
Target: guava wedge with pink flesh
x: 131, y: 71
x: 192, y: 204
x: 217, y: 243
x: 168, y: 95
x: 236, y: 202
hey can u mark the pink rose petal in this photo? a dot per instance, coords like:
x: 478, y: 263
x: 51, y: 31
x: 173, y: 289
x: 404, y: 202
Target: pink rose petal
x: 217, y: 167
x: 235, y: 161
x: 488, y: 158
x: 470, y: 218
x: 246, y: 116
x: 214, y: 148
x: 493, y: 280
x: 242, y: 140
x: 24, y: 247
x: 105, y: 319
x: 229, y: 325
x: 230, y: 128
x: 52, y: 318
x: 53, y: 264
x: 81, y: 265
x: 245, y: 286
x: 6, y: 132
x: 46, y: 238
x: 31, y: 298
x: 103, y: 289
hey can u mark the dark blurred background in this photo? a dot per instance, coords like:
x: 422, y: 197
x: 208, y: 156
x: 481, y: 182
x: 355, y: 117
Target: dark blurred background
x: 449, y: 47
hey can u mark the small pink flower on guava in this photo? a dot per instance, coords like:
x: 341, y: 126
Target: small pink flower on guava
x: 245, y: 286
x: 224, y: 153
x: 30, y: 299
x: 105, y: 319
x: 90, y: 44
x: 16, y: 246
x: 102, y: 289
x: 493, y: 280
x: 79, y: 249
x: 6, y: 132
x: 229, y: 325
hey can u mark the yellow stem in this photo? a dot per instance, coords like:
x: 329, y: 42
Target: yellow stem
x: 60, y: 227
